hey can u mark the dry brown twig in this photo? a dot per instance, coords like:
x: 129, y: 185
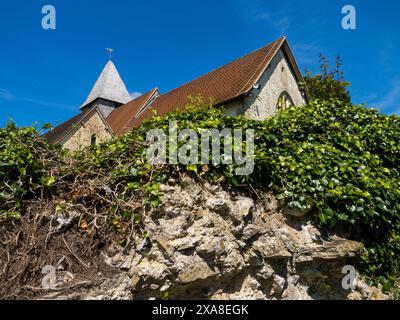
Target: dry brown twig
x: 69, y: 249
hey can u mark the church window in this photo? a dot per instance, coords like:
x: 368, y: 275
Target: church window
x: 93, y: 140
x: 284, y: 102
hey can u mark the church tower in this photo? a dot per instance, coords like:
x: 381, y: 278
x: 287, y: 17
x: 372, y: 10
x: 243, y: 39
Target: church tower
x: 109, y: 91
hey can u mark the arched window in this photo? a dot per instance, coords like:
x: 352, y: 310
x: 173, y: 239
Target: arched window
x: 284, y: 102
x: 93, y: 140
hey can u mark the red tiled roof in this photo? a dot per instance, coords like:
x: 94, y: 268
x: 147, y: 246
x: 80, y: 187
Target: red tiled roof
x: 223, y: 84
x: 120, y: 119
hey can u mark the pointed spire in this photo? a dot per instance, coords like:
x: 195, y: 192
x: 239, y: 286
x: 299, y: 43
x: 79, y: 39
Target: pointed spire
x: 109, y: 86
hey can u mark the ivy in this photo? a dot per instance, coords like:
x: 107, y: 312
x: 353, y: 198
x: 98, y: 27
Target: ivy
x: 24, y: 161
x: 336, y: 158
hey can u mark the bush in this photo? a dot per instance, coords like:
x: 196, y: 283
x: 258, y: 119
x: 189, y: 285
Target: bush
x: 328, y: 84
x: 340, y: 159
x: 24, y: 162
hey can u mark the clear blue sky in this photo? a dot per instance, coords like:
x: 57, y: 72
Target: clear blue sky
x: 46, y: 75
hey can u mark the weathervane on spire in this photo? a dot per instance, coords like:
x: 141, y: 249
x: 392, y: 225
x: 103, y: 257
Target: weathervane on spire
x: 110, y: 52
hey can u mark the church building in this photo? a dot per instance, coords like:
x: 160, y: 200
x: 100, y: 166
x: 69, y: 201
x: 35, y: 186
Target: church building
x: 256, y: 85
